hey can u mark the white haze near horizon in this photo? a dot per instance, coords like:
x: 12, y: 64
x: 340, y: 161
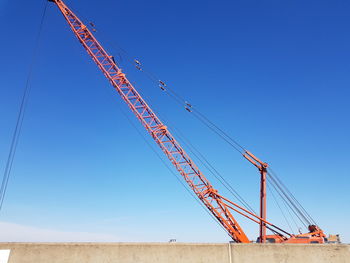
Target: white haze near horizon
x: 11, y: 232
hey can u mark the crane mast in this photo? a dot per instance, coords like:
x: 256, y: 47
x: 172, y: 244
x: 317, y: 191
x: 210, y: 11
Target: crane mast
x: 159, y: 132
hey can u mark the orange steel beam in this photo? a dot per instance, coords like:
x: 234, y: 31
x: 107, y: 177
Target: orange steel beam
x: 262, y: 169
x: 237, y: 208
x: 159, y: 132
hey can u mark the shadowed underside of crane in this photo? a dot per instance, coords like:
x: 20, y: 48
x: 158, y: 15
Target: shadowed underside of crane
x: 220, y: 207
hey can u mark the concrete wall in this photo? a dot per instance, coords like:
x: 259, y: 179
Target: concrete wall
x: 174, y: 252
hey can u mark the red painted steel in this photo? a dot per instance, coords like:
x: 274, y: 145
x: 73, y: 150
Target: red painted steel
x: 262, y: 169
x: 218, y: 205
x: 178, y: 157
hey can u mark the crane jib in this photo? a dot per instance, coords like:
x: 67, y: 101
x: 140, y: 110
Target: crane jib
x: 218, y: 205
x: 172, y: 149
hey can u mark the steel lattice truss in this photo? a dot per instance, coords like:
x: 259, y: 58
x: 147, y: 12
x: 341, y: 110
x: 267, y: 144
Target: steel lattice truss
x: 178, y: 157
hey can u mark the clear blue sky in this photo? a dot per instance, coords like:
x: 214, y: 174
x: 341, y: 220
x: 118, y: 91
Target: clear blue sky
x: 273, y: 74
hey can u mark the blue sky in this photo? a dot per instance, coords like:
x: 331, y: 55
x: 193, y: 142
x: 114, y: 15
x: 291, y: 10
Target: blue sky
x: 273, y: 74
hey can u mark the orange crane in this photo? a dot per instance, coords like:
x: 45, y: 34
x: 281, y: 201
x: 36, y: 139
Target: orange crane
x: 218, y: 205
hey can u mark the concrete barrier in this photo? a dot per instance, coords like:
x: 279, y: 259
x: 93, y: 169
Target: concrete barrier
x: 174, y: 252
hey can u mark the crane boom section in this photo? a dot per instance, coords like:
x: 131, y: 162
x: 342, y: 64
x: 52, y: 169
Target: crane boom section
x: 172, y: 149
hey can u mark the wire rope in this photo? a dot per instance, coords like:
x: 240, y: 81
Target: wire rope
x: 302, y: 215
x: 167, y: 166
x: 279, y: 207
x: 205, y: 120
x: 292, y: 196
x: 283, y: 192
x: 21, y: 113
x: 287, y: 203
x: 213, y: 170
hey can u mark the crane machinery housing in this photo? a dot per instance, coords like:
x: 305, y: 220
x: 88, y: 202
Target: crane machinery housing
x: 219, y: 206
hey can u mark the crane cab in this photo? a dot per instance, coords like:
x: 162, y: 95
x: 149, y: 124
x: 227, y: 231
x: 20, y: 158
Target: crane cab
x: 272, y: 239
